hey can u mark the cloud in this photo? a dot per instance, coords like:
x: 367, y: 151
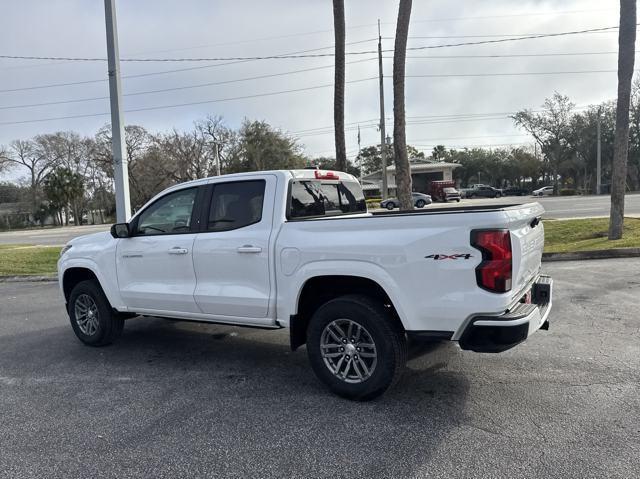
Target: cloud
x: 246, y: 28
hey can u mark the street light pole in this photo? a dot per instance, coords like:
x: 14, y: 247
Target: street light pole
x: 120, y: 168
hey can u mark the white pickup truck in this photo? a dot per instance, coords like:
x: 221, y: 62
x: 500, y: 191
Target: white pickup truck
x: 298, y: 250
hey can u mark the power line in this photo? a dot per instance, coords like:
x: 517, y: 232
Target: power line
x: 140, y: 75
x: 510, y: 55
x: 185, y: 87
x: 445, y: 75
x: 317, y: 55
x: 178, y: 105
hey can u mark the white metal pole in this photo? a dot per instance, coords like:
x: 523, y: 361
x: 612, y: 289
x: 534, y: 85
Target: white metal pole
x: 599, y: 159
x: 120, y: 168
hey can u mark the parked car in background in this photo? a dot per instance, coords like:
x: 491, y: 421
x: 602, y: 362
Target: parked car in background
x: 420, y: 200
x: 451, y: 194
x: 544, y: 191
x: 436, y: 189
x: 515, y: 191
x: 482, y: 191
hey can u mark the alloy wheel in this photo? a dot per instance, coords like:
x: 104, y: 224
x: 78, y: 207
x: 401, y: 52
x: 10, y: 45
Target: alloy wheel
x: 348, y: 351
x: 86, y: 314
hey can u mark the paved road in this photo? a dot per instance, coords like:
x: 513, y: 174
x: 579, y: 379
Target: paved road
x: 191, y: 400
x: 558, y: 207
x: 49, y: 236
x: 565, y: 207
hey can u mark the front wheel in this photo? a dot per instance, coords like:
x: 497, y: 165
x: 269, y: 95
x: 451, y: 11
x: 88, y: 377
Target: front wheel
x: 390, y: 206
x: 498, y: 195
x: 420, y: 203
x: 356, y: 347
x: 92, y: 318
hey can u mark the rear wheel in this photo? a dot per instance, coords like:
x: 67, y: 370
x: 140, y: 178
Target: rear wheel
x: 92, y: 318
x: 356, y: 347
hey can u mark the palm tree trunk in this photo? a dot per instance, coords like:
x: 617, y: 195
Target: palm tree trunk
x: 403, y: 172
x: 338, y: 88
x: 626, y: 55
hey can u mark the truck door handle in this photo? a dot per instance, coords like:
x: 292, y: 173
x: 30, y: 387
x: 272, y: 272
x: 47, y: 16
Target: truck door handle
x: 178, y: 250
x: 249, y: 249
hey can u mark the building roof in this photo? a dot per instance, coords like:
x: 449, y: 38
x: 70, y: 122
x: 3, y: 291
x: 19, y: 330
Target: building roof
x: 416, y: 167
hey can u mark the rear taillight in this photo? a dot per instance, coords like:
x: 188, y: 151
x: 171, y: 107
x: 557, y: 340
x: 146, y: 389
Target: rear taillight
x: 494, y: 273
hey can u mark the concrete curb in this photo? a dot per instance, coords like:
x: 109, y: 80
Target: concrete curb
x: 600, y: 254
x: 28, y: 279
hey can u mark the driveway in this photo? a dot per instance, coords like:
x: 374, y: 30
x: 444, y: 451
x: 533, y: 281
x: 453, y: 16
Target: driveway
x: 177, y: 399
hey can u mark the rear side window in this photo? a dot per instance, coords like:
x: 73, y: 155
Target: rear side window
x: 236, y: 205
x: 316, y: 198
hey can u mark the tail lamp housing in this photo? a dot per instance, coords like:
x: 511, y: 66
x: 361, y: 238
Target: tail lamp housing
x: 495, y: 271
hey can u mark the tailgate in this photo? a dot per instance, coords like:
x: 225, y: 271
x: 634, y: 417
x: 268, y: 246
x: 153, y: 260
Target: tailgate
x: 527, y: 242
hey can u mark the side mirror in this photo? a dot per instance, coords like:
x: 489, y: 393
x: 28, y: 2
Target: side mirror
x: 120, y: 230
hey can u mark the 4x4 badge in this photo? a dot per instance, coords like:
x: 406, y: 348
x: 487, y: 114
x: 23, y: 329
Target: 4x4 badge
x: 449, y: 256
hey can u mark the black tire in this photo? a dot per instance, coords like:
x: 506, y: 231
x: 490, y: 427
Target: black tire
x: 458, y: 200
x: 420, y: 203
x: 498, y: 195
x: 109, y: 323
x: 386, y: 333
x: 390, y: 206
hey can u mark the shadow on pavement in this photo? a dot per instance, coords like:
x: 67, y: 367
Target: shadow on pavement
x: 171, y: 394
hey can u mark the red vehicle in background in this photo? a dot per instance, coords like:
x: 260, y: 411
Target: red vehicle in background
x: 437, y: 190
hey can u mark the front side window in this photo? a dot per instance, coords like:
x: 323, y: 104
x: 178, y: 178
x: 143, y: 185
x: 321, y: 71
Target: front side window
x: 236, y: 205
x: 169, y: 215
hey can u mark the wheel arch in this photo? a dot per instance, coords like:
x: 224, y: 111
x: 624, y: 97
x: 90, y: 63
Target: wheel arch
x: 317, y: 290
x: 72, y: 271
x: 74, y: 275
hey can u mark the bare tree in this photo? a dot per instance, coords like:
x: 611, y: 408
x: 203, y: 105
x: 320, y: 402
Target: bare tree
x: 338, y: 87
x: 220, y: 139
x: 403, y: 170
x: 30, y: 155
x: 551, y: 129
x: 626, y: 56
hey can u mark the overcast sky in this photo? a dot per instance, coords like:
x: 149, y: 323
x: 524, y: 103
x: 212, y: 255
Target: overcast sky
x: 226, y: 28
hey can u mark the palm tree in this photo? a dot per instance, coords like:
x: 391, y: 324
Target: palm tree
x: 626, y: 55
x: 338, y: 87
x: 403, y: 171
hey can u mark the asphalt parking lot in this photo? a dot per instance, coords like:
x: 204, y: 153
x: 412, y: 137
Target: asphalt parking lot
x: 191, y: 400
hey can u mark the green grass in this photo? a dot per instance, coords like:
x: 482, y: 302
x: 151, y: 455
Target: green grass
x: 560, y: 236
x: 588, y: 234
x: 26, y: 260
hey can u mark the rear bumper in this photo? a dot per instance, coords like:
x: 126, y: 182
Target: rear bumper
x: 494, y: 334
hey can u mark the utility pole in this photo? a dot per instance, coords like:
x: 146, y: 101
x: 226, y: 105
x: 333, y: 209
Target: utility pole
x: 383, y: 149
x: 599, y: 157
x: 120, y: 168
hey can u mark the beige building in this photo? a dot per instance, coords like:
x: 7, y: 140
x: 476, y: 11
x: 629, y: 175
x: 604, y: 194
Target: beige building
x: 422, y: 173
